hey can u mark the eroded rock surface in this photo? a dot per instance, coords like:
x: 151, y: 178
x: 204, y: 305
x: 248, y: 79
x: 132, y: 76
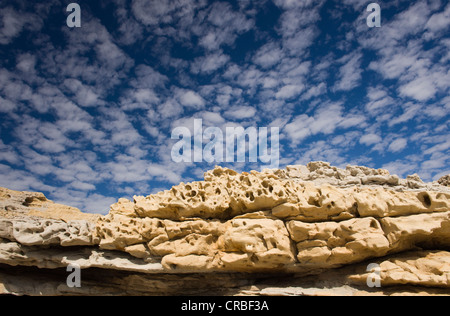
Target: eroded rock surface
x: 445, y: 180
x: 286, y: 224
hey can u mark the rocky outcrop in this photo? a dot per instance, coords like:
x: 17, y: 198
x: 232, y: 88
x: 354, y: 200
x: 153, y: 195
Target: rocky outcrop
x: 445, y: 180
x: 257, y: 233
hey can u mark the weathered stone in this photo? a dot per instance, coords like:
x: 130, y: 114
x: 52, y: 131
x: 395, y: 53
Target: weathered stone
x: 329, y: 244
x: 421, y: 268
x: 286, y: 224
x: 445, y: 180
x: 39, y: 231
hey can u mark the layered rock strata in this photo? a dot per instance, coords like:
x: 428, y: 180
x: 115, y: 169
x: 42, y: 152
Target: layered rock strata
x: 238, y: 233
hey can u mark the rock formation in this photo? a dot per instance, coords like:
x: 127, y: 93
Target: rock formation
x: 445, y: 180
x: 305, y: 230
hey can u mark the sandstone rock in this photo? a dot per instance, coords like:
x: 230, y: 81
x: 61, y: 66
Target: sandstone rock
x: 39, y: 231
x: 240, y: 244
x: 15, y: 254
x: 321, y: 172
x: 16, y: 204
x: 445, y: 180
x: 380, y: 202
x: 414, y: 182
x: 420, y: 268
x: 225, y: 194
x: 431, y: 231
x: 258, y: 233
x: 330, y: 244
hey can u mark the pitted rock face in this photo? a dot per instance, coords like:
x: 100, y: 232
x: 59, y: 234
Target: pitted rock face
x: 445, y: 180
x: 225, y: 194
x: 342, y: 224
x: 304, y: 220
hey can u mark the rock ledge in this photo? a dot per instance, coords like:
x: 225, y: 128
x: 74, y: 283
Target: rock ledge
x: 257, y: 233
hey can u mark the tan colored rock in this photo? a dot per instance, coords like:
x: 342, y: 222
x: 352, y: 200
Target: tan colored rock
x: 329, y: 244
x: 423, y: 268
x: 445, y: 180
x: 123, y: 207
x: 425, y: 230
x: 263, y: 243
x: 16, y: 203
x: 381, y: 202
x: 39, y: 231
x: 225, y: 194
x: 320, y: 172
x: 236, y: 245
x: 31, y: 219
x: 276, y: 225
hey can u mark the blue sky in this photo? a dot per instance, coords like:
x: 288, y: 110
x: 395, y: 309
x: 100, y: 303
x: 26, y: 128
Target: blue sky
x: 87, y: 113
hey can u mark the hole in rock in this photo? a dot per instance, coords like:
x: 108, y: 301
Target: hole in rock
x: 425, y: 199
x: 374, y: 224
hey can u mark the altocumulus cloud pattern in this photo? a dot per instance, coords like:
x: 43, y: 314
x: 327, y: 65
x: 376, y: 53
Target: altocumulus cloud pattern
x: 87, y: 112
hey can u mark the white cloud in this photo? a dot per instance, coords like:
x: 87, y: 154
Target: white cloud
x: 289, y: 91
x: 121, y: 130
x: 26, y: 63
x: 8, y: 154
x: 139, y: 99
x: 170, y: 109
x: 6, y: 105
x: 298, y: 16
x: 350, y: 73
x: 439, y: 21
x: 98, y: 203
x: 148, y: 78
x: 401, y: 45
x: 214, y: 25
x: 410, y: 110
x: 210, y: 63
x: 191, y: 99
x: 370, y: 139
x: 315, y: 91
x: 380, y: 101
x: 126, y: 168
x: 153, y: 12
x: 327, y: 118
x: 84, y: 95
x: 401, y: 168
x: 211, y: 118
x: 250, y: 77
x: 398, y: 145
x: 268, y: 55
x: 162, y: 172
x: 240, y: 112
x: 269, y: 83
x: 300, y: 41
x: 20, y: 180
x: 130, y: 31
x: 420, y: 89
x: 223, y: 26
x: 352, y: 120
x: 292, y: 4
x: 395, y: 65
x: 358, y: 5
x: 13, y: 22
x: 405, y: 23
x: 83, y: 186
x: 324, y: 121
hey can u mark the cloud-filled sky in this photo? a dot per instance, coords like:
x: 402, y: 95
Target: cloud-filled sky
x: 87, y: 112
